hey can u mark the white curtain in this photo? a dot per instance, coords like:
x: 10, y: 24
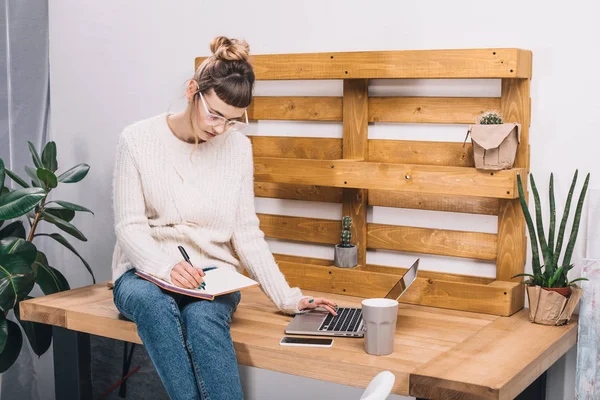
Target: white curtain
x: 24, y: 115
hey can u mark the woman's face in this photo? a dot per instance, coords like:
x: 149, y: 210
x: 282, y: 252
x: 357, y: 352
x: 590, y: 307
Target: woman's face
x: 215, y: 117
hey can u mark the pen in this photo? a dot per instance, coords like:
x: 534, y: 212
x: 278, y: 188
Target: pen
x: 187, y: 259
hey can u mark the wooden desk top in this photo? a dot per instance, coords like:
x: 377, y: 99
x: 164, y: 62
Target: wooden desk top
x: 438, y: 353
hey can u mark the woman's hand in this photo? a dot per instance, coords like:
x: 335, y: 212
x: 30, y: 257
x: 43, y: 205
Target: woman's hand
x: 186, y: 276
x: 311, y: 302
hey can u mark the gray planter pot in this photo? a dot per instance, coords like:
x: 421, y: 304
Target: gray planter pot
x: 345, y: 257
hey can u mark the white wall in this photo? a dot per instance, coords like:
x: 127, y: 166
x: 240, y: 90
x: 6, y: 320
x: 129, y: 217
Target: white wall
x: 113, y: 63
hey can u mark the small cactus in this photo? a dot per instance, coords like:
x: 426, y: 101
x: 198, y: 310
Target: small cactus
x: 490, y: 118
x: 346, y: 234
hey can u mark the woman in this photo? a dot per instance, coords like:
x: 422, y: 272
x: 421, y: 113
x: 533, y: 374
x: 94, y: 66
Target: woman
x: 187, y: 179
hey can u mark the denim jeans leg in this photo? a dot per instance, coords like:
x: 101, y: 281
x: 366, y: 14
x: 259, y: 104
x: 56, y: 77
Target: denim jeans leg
x: 207, y: 324
x: 158, y: 320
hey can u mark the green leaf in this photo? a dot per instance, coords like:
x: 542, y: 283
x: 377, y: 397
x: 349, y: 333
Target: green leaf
x: 34, y: 155
x: 563, y: 223
x: 39, y: 335
x: 2, y: 175
x: 13, y: 245
x: 3, y: 332
x: 16, y: 280
x: 75, y: 174
x: 65, y: 226
x: 71, y: 206
x: 576, y: 220
x: 540, y: 229
x: 15, y: 229
x: 61, y: 213
x: 20, y: 202
x: 47, y: 177
x: 552, y: 229
x: 517, y: 275
x: 12, y: 349
x: 16, y: 178
x: 49, y: 279
x: 537, y: 270
x: 554, y: 278
x: 35, y: 181
x: 60, y: 239
x: 577, y: 280
x: 49, y: 157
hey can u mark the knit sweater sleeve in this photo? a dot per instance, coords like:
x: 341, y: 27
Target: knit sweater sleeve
x: 254, y: 252
x: 131, y: 222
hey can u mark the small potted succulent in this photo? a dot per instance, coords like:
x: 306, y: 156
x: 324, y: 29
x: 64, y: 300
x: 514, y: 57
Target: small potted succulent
x: 346, y: 255
x: 552, y: 296
x: 494, y: 142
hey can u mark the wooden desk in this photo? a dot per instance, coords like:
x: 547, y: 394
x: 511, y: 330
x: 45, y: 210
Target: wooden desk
x: 439, y: 353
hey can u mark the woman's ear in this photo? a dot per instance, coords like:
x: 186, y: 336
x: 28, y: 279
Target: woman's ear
x: 191, y: 90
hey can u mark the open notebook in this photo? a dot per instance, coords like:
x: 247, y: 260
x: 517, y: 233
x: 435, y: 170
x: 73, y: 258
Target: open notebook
x: 218, y: 282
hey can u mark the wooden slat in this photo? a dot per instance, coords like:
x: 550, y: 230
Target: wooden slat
x: 452, y: 154
x: 490, y: 299
x: 467, y: 63
x: 498, y: 362
x: 298, y: 192
x: 316, y: 108
x: 512, y: 242
x: 369, y: 175
x: 355, y: 147
x: 433, y: 110
x: 430, y: 275
x: 424, y: 201
x: 296, y: 147
x: 313, y: 230
x: 476, y: 245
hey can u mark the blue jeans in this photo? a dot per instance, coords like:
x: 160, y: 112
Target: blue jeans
x: 188, y: 339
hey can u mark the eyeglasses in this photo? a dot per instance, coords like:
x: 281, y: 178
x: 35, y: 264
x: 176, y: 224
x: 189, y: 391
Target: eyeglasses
x: 217, y: 120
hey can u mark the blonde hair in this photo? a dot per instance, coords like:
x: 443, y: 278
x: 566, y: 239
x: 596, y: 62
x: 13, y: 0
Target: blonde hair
x: 227, y: 72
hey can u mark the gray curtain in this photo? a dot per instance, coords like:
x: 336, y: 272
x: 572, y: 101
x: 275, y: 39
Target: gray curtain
x: 24, y: 115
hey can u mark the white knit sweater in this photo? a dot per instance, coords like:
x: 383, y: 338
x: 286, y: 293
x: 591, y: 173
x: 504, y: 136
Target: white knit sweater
x: 166, y: 194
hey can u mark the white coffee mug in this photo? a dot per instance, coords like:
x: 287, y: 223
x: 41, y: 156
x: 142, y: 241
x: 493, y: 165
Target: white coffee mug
x: 379, y: 316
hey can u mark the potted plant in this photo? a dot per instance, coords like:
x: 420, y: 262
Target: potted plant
x: 494, y: 142
x: 22, y: 265
x: 549, y: 288
x: 346, y: 255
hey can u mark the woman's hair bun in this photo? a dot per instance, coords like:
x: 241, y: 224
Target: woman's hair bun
x: 224, y: 48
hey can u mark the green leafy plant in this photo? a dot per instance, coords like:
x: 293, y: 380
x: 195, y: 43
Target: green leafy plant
x: 490, y: 118
x: 553, y: 273
x: 22, y: 265
x: 346, y: 234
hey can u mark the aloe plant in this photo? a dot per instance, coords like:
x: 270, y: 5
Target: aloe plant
x: 22, y: 265
x: 346, y: 233
x: 553, y: 273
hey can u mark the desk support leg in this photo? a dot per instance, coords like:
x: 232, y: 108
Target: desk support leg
x: 72, y: 364
x: 535, y: 391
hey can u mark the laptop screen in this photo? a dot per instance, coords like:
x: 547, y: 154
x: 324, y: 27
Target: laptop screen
x: 406, y: 280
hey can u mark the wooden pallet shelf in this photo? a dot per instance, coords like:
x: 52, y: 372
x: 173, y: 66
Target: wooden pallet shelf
x: 359, y: 172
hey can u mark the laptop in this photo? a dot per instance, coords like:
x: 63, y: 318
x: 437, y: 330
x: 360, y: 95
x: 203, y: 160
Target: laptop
x: 348, y: 321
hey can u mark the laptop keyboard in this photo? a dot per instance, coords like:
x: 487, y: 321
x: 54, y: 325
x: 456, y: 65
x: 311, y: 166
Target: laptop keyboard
x: 346, y: 320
